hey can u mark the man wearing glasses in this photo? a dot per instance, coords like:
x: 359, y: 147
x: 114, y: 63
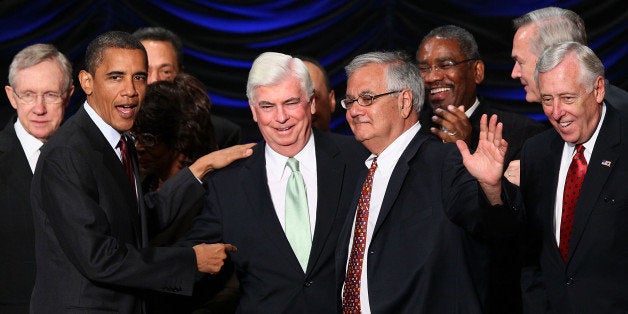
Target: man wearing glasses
x: 413, y: 241
x: 40, y: 85
x: 451, y: 68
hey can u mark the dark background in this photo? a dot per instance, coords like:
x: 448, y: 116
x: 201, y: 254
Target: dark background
x: 222, y: 38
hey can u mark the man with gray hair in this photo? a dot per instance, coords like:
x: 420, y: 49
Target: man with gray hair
x: 413, y: 241
x: 283, y: 206
x: 539, y: 29
x: 40, y: 86
x: 573, y: 191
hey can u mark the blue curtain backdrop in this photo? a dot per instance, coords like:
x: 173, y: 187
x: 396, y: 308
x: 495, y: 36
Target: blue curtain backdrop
x: 222, y: 38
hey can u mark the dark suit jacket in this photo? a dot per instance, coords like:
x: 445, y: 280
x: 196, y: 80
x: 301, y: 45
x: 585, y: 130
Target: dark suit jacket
x: 226, y: 132
x: 17, y: 237
x: 239, y: 210
x: 427, y: 253
x: 616, y: 97
x: 91, y: 233
x: 595, y: 277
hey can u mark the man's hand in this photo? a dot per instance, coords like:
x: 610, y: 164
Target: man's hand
x: 487, y: 162
x: 512, y: 174
x: 454, y: 124
x: 211, y: 257
x: 220, y: 159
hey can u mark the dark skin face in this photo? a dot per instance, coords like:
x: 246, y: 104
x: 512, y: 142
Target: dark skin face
x: 450, y: 91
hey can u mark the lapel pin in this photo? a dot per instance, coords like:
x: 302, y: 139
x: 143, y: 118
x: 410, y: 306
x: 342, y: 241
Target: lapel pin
x: 606, y: 163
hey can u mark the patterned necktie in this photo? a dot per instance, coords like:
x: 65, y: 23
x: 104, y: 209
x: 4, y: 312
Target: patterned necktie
x: 298, y: 215
x: 573, y: 183
x: 126, y: 162
x: 351, y: 294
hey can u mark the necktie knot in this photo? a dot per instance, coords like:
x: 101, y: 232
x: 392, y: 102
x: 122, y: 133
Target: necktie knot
x: 293, y: 164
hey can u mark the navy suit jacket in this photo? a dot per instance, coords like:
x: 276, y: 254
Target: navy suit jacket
x: 90, y: 232
x: 595, y: 277
x: 17, y: 237
x: 428, y: 250
x: 239, y: 210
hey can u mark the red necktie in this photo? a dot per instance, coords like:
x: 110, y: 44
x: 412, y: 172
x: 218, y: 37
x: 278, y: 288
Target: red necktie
x: 573, y: 183
x: 351, y: 294
x: 126, y: 162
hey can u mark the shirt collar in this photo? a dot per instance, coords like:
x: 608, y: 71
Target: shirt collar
x: 111, y: 134
x: 30, y: 144
x: 306, y: 158
x: 471, y: 110
x: 388, y: 158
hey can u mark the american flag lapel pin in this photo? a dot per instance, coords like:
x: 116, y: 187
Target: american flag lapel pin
x: 606, y: 163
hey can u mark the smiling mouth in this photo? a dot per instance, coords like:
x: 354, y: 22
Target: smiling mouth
x: 565, y: 124
x: 439, y: 90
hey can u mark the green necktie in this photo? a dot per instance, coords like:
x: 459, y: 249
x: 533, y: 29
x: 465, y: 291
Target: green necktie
x: 297, y: 215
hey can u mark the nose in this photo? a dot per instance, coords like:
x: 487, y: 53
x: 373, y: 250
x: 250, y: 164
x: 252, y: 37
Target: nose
x: 130, y: 88
x: 281, y: 115
x: 516, y: 71
x: 39, y: 108
x: 153, y: 76
x: 432, y: 75
x: 557, y: 109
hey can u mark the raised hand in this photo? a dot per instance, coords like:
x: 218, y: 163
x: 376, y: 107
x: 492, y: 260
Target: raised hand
x: 454, y: 124
x: 487, y: 162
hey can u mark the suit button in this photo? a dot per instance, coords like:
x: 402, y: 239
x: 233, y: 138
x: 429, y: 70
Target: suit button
x: 371, y: 252
x: 569, y: 281
x: 308, y: 283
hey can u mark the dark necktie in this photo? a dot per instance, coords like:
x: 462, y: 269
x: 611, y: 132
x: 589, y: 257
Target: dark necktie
x: 126, y: 162
x: 573, y: 183
x: 351, y: 294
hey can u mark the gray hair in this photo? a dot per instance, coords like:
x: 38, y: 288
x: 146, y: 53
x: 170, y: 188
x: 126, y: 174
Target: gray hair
x: 113, y: 39
x: 271, y: 68
x: 400, y: 72
x: 591, y: 66
x: 555, y: 25
x: 467, y: 42
x: 36, y: 54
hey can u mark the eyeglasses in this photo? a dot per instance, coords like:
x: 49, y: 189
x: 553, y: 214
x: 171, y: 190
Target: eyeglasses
x: 49, y: 98
x: 144, y: 139
x: 442, y: 66
x: 364, y: 100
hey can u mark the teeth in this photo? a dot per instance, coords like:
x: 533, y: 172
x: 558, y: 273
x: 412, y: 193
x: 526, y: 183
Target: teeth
x: 565, y: 124
x: 438, y: 90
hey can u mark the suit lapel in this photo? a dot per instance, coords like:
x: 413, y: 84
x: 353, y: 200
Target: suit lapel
x: 14, y: 161
x: 112, y: 163
x: 606, y: 150
x: 254, y: 181
x: 330, y: 173
x: 397, y: 178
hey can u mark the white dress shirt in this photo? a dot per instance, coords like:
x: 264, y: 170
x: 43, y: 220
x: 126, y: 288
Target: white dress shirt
x: 386, y: 162
x: 569, y: 150
x: 277, y: 173
x: 30, y: 144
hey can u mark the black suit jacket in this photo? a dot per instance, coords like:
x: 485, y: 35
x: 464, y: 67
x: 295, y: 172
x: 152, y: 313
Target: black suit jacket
x: 226, y: 132
x: 427, y: 253
x: 17, y: 237
x: 616, y: 97
x: 595, y: 277
x: 91, y: 233
x: 239, y: 210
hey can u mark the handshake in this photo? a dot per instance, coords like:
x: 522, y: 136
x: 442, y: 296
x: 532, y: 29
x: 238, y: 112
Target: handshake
x: 211, y: 257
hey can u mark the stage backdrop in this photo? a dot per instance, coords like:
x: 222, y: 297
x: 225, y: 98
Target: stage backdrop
x: 222, y: 38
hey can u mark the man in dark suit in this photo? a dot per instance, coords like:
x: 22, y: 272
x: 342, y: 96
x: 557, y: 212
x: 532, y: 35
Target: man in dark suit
x: 249, y: 202
x: 165, y: 61
x: 574, y: 191
x: 450, y: 65
x: 88, y: 209
x: 415, y: 243
x: 40, y: 86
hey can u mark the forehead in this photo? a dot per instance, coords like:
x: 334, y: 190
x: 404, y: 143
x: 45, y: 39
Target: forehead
x: 287, y: 88
x: 371, y: 77
x: 315, y: 73
x: 565, y: 77
x: 46, y: 74
x: 123, y: 60
x: 159, y: 47
x: 523, y: 35
x: 439, y: 48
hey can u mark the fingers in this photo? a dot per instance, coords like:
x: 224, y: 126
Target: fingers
x: 464, y: 149
x: 230, y: 248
